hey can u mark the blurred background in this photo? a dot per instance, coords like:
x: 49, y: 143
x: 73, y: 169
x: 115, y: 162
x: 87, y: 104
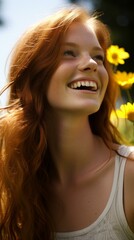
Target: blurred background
x: 16, y: 16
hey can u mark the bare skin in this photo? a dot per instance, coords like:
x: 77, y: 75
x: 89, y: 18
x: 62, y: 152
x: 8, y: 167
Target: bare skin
x: 79, y: 180
x: 83, y: 166
x: 81, y: 176
x: 129, y: 191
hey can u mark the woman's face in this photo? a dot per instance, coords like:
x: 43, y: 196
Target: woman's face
x: 79, y: 83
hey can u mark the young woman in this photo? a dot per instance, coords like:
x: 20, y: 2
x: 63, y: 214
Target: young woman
x: 64, y: 171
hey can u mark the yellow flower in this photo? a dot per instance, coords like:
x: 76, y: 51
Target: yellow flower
x: 116, y: 55
x: 114, y: 117
x: 126, y: 111
x: 124, y: 79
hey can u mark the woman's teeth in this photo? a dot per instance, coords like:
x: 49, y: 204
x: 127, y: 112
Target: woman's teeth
x: 86, y: 85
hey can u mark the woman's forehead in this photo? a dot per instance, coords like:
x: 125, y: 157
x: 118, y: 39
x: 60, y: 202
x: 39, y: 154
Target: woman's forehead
x: 79, y: 32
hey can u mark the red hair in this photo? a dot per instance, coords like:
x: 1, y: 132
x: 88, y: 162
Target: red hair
x: 23, y: 143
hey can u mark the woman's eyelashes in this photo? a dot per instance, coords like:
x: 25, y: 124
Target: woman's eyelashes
x: 99, y: 58
x: 69, y: 53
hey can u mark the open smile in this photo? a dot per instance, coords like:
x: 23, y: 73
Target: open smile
x: 84, y: 85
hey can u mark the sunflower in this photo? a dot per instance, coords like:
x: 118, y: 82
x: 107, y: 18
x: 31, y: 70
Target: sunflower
x: 124, y: 79
x: 116, y: 55
x: 126, y: 111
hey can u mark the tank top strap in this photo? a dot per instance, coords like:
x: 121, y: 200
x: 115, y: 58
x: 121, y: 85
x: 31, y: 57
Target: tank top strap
x: 124, y: 151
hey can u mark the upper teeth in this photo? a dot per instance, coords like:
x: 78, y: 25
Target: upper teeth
x: 84, y: 83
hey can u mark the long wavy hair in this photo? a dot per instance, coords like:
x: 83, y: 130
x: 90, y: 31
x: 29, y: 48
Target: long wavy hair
x: 24, y: 155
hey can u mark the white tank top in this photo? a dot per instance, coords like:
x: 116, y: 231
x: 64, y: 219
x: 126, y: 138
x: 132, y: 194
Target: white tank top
x: 112, y: 223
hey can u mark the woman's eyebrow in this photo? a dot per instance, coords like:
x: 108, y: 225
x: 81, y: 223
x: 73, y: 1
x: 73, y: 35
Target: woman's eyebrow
x: 72, y: 44
x: 98, y: 48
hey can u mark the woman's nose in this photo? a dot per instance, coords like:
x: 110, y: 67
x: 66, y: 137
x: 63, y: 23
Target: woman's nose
x: 87, y: 64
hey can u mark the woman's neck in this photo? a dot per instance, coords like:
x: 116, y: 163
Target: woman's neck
x: 72, y: 145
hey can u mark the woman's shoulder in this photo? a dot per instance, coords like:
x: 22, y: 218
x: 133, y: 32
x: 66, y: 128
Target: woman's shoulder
x: 130, y: 164
x: 129, y: 180
x: 128, y: 153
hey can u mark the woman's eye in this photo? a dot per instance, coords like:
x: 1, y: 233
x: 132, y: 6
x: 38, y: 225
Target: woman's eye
x: 69, y: 53
x: 99, y: 58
